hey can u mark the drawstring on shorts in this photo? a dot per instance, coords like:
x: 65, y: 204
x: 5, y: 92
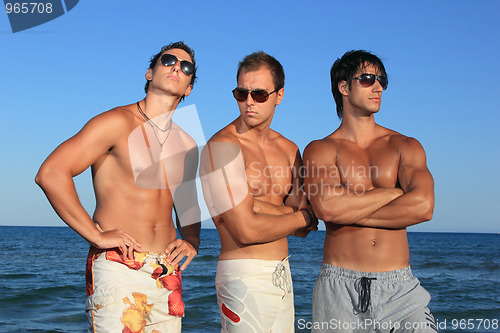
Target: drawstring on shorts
x: 281, y: 278
x: 365, y: 293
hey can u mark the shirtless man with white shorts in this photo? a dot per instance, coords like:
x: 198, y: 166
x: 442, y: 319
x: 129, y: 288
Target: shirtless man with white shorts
x: 252, y: 186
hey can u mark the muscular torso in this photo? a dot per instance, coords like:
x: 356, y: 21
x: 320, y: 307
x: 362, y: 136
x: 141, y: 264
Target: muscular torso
x: 139, y: 202
x: 269, y: 176
x: 362, y: 169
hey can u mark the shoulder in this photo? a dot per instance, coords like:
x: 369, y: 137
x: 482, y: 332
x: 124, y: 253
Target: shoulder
x: 399, y: 141
x: 102, y: 132
x: 323, y: 146
x: 185, y: 139
x: 222, y: 147
x: 114, y: 119
x: 405, y: 143
x: 226, y: 134
x: 409, y: 149
x: 109, y: 128
x: 395, y: 137
x: 286, y: 144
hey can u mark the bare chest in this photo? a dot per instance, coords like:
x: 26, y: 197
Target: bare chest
x: 269, y: 172
x: 154, y: 164
x: 374, y: 166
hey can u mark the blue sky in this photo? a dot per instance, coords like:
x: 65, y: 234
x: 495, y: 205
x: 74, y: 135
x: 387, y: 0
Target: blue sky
x: 441, y: 57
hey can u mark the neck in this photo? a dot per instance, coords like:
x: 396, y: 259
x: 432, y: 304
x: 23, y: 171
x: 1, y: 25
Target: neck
x: 358, y: 129
x: 257, y: 134
x: 160, y: 114
x: 154, y: 105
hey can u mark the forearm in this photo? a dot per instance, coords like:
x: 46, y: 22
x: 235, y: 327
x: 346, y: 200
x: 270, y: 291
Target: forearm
x: 264, y: 207
x: 408, y: 209
x: 417, y: 204
x: 62, y: 195
x: 189, y: 216
x: 270, y: 209
x: 189, y: 224
x: 191, y: 234
x: 263, y: 228
x: 341, y: 206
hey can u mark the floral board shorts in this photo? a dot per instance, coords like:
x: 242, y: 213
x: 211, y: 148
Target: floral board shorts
x: 132, y: 296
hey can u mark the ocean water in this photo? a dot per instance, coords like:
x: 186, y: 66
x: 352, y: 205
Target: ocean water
x: 42, y: 283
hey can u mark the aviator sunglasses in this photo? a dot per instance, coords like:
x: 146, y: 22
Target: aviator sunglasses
x: 170, y: 60
x: 258, y: 95
x: 368, y: 80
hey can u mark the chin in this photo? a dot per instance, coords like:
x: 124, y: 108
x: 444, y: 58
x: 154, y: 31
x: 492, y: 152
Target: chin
x: 251, y: 122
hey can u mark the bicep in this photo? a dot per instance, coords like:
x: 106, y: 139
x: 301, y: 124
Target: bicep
x: 413, y: 173
x: 296, y: 198
x: 223, y: 177
x: 79, y: 152
x: 185, y: 192
x: 320, y: 172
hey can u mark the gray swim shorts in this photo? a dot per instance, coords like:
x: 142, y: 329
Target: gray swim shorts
x: 350, y: 301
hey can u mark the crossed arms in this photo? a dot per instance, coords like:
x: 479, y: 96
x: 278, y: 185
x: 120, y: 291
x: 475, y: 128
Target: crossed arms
x: 397, y: 207
x: 230, y: 201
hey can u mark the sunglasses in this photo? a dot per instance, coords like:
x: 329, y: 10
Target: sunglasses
x: 258, y: 95
x: 170, y: 60
x: 368, y: 80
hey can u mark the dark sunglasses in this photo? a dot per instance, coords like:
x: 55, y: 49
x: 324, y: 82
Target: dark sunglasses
x: 258, y: 95
x: 368, y: 80
x: 170, y: 60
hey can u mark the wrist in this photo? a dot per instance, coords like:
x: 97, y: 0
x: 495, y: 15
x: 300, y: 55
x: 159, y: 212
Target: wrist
x: 95, y: 238
x: 195, y: 243
x: 307, y: 211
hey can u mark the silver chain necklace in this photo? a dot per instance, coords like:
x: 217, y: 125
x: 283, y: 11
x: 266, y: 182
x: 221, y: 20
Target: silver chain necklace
x: 152, y: 123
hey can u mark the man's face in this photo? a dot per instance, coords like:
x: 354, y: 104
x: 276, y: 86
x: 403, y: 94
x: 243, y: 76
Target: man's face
x: 171, y: 78
x: 253, y: 113
x: 364, y: 99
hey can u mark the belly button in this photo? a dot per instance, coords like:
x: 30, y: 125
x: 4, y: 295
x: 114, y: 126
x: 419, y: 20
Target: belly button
x: 374, y: 242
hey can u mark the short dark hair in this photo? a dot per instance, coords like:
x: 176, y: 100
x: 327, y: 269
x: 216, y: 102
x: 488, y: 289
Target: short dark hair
x: 253, y: 62
x: 345, y: 68
x: 176, y: 45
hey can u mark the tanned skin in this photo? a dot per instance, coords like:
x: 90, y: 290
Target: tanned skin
x: 127, y: 215
x: 256, y: 228
x: 368, y: 184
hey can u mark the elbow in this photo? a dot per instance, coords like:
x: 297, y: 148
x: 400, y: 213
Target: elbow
x: 332, y: 214
x: 327, y: 216
x: 233, y: 221
x: 46, y: 177
x: 321, y: 214
x: 42, y: 176
x: 247, y: 235
x: 248, y: 238
x: 425, y: 211
x: 321, y: 211
x: 427, y: 216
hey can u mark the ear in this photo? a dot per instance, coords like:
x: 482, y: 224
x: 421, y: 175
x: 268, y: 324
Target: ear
x: 280, y: 93
x: 149, y: 74
x: 343, y: 87
x: 188, y: 90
